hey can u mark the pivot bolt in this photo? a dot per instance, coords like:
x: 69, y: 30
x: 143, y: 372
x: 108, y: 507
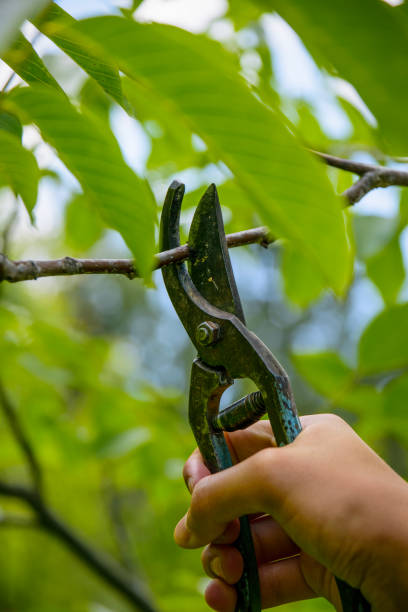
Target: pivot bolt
x: 207, y: 333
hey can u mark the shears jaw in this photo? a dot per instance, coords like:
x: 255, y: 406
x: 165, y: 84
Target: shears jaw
x: 192, y: 308
x: 170, y: 218
x: 209, y: 264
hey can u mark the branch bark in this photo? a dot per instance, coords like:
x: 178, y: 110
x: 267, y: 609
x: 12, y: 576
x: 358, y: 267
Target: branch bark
x: 371, y: 176
x: 16, y: 271
x: 21, y: 439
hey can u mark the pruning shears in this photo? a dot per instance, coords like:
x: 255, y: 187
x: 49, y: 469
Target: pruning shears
x: 206, y: 299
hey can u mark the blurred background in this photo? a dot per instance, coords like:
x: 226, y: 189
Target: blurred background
x: 98, y: 367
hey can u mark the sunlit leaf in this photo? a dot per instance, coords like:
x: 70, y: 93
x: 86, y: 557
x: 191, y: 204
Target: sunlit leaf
x: 92, y: 154
x: 18, y: 169
x: 26, y: 62
x: 395, y: 402
x: 372, y: 233
x: 363, y: 134
x: 308, y: 127
x: 242, y: 13
x: 82, y: 229
x: 51, y: 22
x: 124, y: 443
x: 303, y: 283
x: 94, y: 99
x: 11, y: 123
x: 238, y: 213
x: 386, y: 270
x: 368, y: 49
x: 198, y: 81
x: 384, y: 343
x: 172, y: 148
x: 326, y: 372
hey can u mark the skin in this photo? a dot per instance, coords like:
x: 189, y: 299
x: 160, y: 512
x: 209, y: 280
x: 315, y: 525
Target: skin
x: 322, y: 506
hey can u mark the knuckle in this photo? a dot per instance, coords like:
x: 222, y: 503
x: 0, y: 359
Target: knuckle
x: 201, y: 499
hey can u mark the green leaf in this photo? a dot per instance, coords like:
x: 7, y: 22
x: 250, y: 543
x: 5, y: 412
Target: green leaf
x: 395, y: 408
x: 365, y: 43
x: 198, y: 81
x: 363, y: 134
x: 172, y: 148
x: 128, y: 12
x: 24, y: 60
x: 303, y: 283
x: 12, y: 15
x: 326, y: 372
x: 384, y: 343
x: 242, y: 13
x: 91, y: 153
x: 232, y: 198
x: 372, y: 233
x: 82, y: 229
x: 308, y: 127
x: 19, y: 169
x: 395, y: 399
x: 11, y: 123
x: 386, y: 270
x: 51, y: 23
x: 124, y: 443
x: 93, y: 99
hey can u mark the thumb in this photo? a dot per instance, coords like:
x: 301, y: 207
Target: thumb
x: 241, y: 489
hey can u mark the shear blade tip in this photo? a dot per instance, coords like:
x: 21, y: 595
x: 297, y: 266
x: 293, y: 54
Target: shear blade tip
x: 177, y: 186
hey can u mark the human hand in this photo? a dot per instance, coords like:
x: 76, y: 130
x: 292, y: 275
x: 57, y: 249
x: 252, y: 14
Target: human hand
x: 324, y: 505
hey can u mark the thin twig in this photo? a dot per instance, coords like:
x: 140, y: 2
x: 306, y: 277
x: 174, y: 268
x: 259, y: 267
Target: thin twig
x: 15, y: 271
x: 113, y: 502
x: 103, y: 565
x: 22, y: 440
x: 372, y: 176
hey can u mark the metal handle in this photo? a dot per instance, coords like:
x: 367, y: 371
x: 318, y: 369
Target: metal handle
x: 208, y: 425
x: 207, y: 386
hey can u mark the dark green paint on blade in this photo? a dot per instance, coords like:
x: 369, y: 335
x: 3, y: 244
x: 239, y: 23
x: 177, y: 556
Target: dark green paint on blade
x: 210, y: 265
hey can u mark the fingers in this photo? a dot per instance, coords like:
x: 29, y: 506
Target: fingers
x: 246, y: 442
x: 281, y: 582
x: 215, y: 502
x: 242, y: 444
x: 194, y: 470
x: 267, y: 482
x: 271, y: 543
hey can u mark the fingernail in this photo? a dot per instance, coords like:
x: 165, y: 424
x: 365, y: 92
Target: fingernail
x: 216, y: 567
x: 183, y: 535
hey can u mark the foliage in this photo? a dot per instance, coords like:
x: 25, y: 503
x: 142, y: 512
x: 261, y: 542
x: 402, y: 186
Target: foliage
x: 96, y: 368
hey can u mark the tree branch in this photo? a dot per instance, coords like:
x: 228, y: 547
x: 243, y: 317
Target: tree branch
x: 15, y: 271
x: 20, y: 437
x: 101, y: 564
x: 371, y: 176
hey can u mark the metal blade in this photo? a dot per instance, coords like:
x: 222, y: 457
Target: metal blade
x: 210, y: 265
